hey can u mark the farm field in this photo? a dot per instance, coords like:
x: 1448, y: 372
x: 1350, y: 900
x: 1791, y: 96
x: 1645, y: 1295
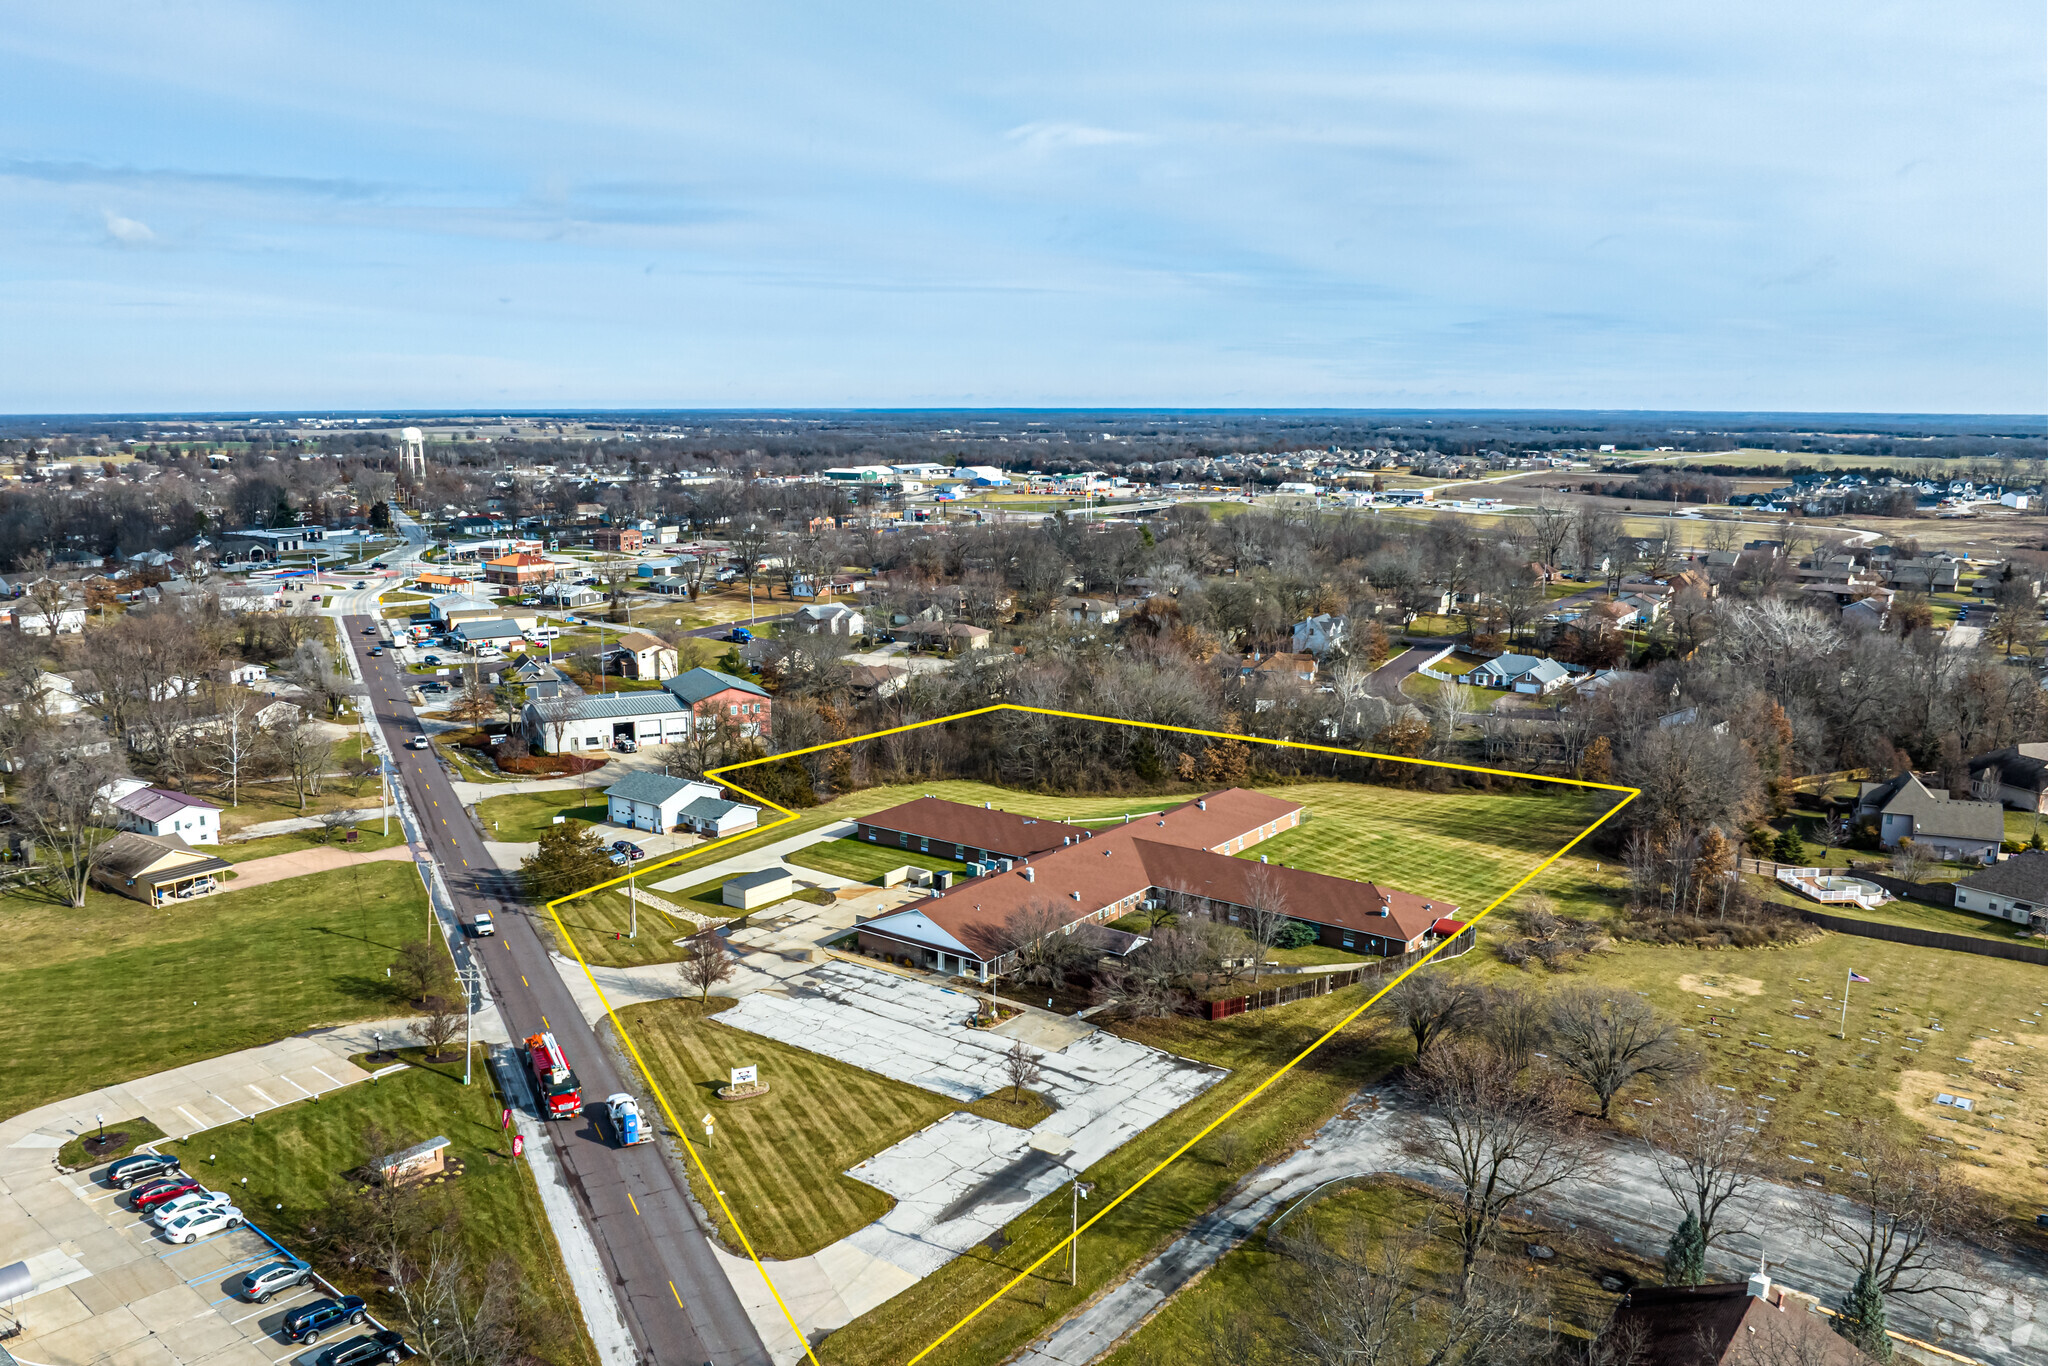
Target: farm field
x: 117, y: 990
x: 301, y: 1156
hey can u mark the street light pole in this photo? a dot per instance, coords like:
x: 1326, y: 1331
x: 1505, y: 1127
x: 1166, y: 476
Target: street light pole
x: 468, y: 1019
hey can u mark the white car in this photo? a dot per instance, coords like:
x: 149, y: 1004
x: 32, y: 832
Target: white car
x: 193, y: 1225
x: 185, y: 1204
x: 481, y: 923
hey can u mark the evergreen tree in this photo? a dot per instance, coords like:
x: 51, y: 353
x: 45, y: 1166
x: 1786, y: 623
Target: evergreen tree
x: 1685, y: 1256
x: 1862, y: 1320
x: 1790, y: 848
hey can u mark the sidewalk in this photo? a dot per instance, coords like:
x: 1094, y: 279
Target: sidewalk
x: 292, y: 823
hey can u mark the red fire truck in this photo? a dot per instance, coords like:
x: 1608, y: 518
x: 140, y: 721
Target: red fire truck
x: 561, y: 1095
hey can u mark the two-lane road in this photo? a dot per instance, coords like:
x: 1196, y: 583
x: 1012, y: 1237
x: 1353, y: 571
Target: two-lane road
x: 677, y: 1302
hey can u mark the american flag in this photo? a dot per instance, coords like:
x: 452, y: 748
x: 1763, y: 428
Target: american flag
x: 1857, y: 977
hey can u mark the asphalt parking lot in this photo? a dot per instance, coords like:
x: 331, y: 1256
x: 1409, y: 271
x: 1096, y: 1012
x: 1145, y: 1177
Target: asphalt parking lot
x: 110, y: 1290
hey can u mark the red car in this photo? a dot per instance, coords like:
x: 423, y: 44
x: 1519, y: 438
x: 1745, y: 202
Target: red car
x: 156, y: 1192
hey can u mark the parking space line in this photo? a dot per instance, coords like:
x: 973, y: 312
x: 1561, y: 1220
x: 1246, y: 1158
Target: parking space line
x: 197, y: 1123
x: 294, y: 1085
x: 230, y: 1104
x: 259, y: 1092
x: 330, y: 1080
x: 263, y: 1309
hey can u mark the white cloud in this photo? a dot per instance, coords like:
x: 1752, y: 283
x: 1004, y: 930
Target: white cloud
x: 127, y: 232
x: 1042, y: 139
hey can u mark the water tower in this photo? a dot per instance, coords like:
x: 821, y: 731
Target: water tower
x: 412, y: 456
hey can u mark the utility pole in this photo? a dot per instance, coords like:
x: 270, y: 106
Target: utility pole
x: 1082, y: 1190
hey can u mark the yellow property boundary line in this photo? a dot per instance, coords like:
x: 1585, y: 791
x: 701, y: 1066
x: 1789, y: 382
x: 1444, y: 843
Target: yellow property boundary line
x: 787, y: 816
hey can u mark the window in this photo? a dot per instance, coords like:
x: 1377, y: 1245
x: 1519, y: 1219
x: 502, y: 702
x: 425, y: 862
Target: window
x: 924, y: 846
x: 1349, y: 943
x: 903, y: 840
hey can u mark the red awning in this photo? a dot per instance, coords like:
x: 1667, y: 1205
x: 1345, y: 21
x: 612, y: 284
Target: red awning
x: 1446, y: 928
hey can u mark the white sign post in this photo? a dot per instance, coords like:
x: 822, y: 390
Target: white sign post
x: 745, y: 1076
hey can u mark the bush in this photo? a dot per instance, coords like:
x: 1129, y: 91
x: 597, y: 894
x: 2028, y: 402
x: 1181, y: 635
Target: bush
x: 1295, y: 934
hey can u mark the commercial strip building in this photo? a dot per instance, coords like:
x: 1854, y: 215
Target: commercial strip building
x: 697, y: 698
x: 1044, y: 872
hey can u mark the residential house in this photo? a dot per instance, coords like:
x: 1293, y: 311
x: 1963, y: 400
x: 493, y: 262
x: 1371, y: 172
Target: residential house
x: 1089, y: 611
x: 1648, y: 608
x: 714, y: 817
x: 1906, y: 808
x: 156, y: 870
x: 831, y: 619
x: 1320, y: 634
x: 707, y: 694
x: 949, y: 637
x: 1511, y: 671
x: 241, y: 674
x: 2016, y: 776
x: 637, y: 654
x: 255, y: 595
x: 878, y: 680
x: 2015, y: 890
x: 1301, y: 668
x: 1729, y: 1324
x: 161, y: 811
x: 1612, y: 612
x: 1868, y: 614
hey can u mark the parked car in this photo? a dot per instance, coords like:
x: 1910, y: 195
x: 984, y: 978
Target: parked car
x: 133, y: 1171
x: 629, y: 849
x: 382, y: 1345
x: 305, y: 1324
x: 377, y: 564
x: 266, y: 1280
x: 157, y: 1192
x: 434, y: 660
x: 626, y: 744
x: 203, y: 1222
x: 185, y: 1204
x: 481, y: 924
x: 618, y: 856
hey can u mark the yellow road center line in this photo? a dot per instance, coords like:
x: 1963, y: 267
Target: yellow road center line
x: 522, y: 978
x: 636, y: 1209
x: 543, y: 1019
x: 679, y: 1298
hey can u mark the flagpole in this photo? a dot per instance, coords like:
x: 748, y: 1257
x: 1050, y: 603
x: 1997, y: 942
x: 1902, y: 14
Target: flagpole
x: 1845, y: 1003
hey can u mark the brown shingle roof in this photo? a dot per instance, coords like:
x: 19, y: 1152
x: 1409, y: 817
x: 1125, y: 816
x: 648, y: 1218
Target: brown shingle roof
x: 975, y: 827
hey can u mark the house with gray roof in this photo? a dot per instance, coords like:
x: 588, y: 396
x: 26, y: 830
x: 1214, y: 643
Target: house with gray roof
x: 653, y: 801
x: 2015, y: 890
x: 1906, y: 808
x: 2016, y: 776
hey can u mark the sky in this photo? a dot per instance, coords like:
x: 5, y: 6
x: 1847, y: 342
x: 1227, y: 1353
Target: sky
x: 1833, y: 205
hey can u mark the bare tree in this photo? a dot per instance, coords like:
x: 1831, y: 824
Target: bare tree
x: 1042, y: 948
x: 65, y: 803
x: 312, y: 669
x: 1902, y: 1210
x: 1514, y: 1023
x: 1265, y: 915
x: 440, y: 1021
x: 332, y: 823
x: 710, y: 963
x: 1020, y: 1069
x: 1707, y: 1149
x: 304, y: 753
x: 1453, y: 705
x: 1499, y: 1138
x: 554, y: 716
x: 1430, y: 1005
x: 1607, y: 1042
x: 233, y: 742
x: 1549, y: 529
x: 422, y: 969
x: 458, y: 1317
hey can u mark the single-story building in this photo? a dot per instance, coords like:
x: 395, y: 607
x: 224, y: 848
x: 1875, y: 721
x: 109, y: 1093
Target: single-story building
x: 519, y: 570
x: 717, y: 817
x: 161, y: 811
x: 495, y: 631
x: 450, y: 609
x: 951, y: 637
x: 878, y: 680
x: 156, y: 870
x: 1521, y: 673
x: 2015, y: 890
x: 1089, y: 611
x: 764, y: 888
x: 570, y: 595
x: 830, y: 619
x: 652, y: 801
x: 565, y: 724
x: 245, y: 675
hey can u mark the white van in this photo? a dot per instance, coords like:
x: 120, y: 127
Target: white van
x: 544, y: 633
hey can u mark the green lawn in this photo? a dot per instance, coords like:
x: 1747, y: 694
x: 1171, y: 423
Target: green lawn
x: 867, y: 862
x: 300, y: 1156
x: 1917, y: 914
x: 523, y: 816
x: 274, y: 802
x: 602, y: 926
x: 2021, y: 825
x: 780, y: 1158
x: 118, y: 990
x: 368, y: 838
x: 1466, y: 847
x: 1252, y: 1280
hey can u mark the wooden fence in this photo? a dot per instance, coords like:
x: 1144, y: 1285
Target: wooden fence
x: 1324, y: 983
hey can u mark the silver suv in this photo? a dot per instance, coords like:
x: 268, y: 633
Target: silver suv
x: 266, y: 1280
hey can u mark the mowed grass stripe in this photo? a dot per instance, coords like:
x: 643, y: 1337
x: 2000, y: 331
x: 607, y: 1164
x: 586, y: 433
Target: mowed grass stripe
x: 780, y: 1159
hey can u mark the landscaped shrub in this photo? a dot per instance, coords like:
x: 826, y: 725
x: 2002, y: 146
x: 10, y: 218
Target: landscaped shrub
x: 1295, y: 934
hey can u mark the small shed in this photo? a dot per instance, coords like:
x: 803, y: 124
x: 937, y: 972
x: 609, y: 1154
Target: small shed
x: 714, y: 816
x: 762, y: 888
x: 416, y: 1163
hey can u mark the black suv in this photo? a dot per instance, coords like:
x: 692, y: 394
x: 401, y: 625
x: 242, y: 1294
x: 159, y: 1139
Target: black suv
x: 382, y: 1345
x: 132, y: 1171
x: 305, y: 1324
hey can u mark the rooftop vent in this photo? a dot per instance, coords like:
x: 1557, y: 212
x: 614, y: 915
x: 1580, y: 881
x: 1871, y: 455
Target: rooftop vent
x: 1075, y: 895
x: 1201, y: 804
x: 1029, y: 875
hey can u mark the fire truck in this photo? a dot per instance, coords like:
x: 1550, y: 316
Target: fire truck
x: 561, y: 1095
